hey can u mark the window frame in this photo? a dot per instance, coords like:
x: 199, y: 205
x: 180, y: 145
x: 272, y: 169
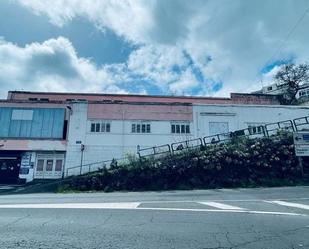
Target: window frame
x: 141, y: 127
x: 100, y: 126
x: 180, y: 128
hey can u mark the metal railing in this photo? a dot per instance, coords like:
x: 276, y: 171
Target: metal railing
x: 261, y: 131
x: 92, y: 167
x: 273, y: 128
x: 187, y: 144
x: 156, y: 150
x: 267, y: 130
x: 301, y: 123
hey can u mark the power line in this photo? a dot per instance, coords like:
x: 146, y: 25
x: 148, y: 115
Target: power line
x: 283, y: 42
x: 281, y: 46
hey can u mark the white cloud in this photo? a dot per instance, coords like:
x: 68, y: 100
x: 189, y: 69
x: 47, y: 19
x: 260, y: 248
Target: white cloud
x: 50, y: 66
x: 186, y: 82
x: 239, y: 36
x: 156, y: 63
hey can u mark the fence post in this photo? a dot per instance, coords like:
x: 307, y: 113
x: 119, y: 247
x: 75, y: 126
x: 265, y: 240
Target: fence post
x: 266, y: 131
x: 300, y: 164
x: 169, y: 149
x: 187, y: 144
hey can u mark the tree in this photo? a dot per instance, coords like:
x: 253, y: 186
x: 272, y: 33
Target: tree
x: 291, y: 78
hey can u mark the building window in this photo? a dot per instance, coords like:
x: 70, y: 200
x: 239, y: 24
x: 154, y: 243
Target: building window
x: 100, y: 127
x: 22, y: 114
x: 140, y: 128
x: 180, y: 128
x: 255, y: 128
x: 105, y: 127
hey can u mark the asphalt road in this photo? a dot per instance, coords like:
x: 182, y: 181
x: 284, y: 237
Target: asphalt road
x: 265, y: 218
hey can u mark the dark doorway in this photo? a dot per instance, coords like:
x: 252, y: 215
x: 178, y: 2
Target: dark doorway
x: 9, y: 167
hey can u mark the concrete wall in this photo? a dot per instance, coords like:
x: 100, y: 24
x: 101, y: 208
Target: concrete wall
x: 120, y: 140
x: 100, y: 146
x: 239, y: 117
x: 76, y: 134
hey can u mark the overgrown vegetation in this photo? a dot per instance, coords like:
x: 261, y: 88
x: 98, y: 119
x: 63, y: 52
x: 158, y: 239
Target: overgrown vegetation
x: 291, y: 78
x: 241, y: 163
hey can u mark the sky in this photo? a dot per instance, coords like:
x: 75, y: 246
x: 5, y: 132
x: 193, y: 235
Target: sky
x: 157, y: 47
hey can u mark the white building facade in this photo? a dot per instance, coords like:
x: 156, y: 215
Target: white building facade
x: 81, y: 131
x: 104, y: 138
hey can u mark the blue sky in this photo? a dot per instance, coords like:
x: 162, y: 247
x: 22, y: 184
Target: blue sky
x: 205, y: 48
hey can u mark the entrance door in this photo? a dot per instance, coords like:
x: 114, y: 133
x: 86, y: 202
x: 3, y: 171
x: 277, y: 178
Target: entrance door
x: 9, y: 169
x: 49, y: 166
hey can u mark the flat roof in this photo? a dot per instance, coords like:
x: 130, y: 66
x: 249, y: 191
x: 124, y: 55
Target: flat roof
x: 116, y: 94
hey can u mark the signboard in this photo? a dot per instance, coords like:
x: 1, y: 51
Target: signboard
x: 301, y: 143
x: 25, y: 160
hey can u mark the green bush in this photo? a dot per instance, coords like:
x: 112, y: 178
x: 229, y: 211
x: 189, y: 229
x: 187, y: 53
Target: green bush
x: 240, y: 163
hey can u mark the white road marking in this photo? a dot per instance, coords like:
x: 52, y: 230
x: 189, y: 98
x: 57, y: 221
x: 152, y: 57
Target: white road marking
x: 290, y: 204
x: 133, y: 206
x: 220, y: 205
x: 221, y: 211
x: 106, y: 205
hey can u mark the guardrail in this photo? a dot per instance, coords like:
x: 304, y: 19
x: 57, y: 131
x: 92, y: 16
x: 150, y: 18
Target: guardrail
x: 267, y: 130
x: 92, y: 167
x: 187, y: 144
x: 156, y: 150
x: 302, y: 122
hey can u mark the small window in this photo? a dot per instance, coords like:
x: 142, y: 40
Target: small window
x: 180, y: 128
x: 97, y: 127
x: 58, y: 166
x: 187, y: 128
x: 100, y: 127
x: 183, y: 129
x: 140, y: 128
x: 22, y: 114
x: 173, y: 129
x: 40, y: 164
x: 108, y: 127
x: 269, y: 88
x: 92, y: 129
x: 49, y: 165
x: 143, y: 128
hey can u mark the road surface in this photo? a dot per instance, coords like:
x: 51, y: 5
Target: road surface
x: 264, y: 218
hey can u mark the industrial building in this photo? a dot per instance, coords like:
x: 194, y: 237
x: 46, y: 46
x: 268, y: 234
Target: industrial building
x: 44, y: 134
